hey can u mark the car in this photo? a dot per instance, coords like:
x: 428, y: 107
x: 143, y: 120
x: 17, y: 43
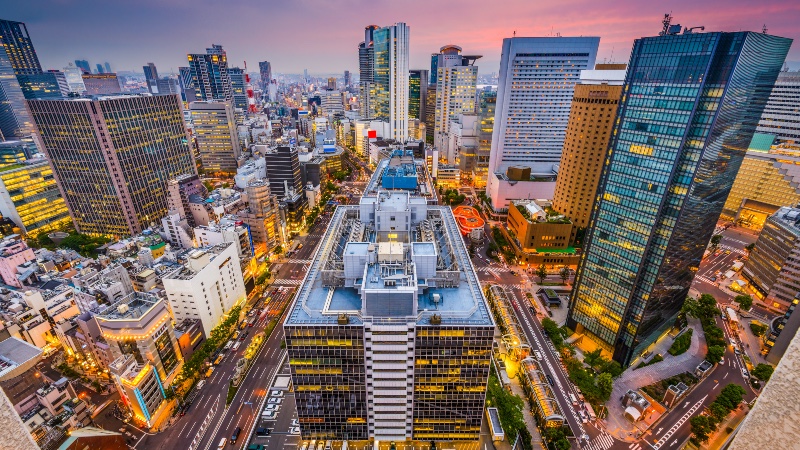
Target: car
x: 584, y: 417
x: 235, y: 434
x: 722, y: 360
x: 276, y: 393
x: 737, y: 351
x: 549, y: 379
x: 271, y: 407
x: 275, y: 400
x: 294, y: 430
x: 261, y: 431
x: 268, y: 415
x: 222, y: 443
x: 538, y: 354
x: 727, y: 252
x: 295, y: 423
x: 745, y: 373
x: 713, y: 278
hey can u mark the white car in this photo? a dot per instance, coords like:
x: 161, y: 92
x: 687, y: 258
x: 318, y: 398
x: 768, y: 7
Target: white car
x: 275, y: 400
x: 538, y: 354
x: 276, y: 393
x: 271, y: 407
x: 295, y: 423
x: 294, y: 430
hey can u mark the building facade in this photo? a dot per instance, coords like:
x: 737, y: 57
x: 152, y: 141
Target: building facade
x: 770, y: 269
x: 283, y: 171
x: 238, y: 85
x: 18, y: 47
x: 112, y: 157
x: 391, y: 78
x: 456, y: 83
x: 541, y: 235
x: 667, y: 178
x: 210, y: 77
x: 417, y: 91
x: 50, y: 84
x: 366, y: 70
x: 208, y: 285
x: 534, y: 96
x: 385, y: 342
x: 265, y: 70
x: 101, y: 83
x: 15, y: 119
x: 215, y: 133
x: 782, y: 114
x: 591, y: 121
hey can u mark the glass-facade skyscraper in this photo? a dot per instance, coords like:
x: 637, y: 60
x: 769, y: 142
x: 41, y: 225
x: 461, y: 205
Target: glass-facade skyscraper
x: 391, y: 78
x: 238, y: 84
x: 417, y: 91
x: 210, y: 77
x: 688, y: 111
x: 18, y: 46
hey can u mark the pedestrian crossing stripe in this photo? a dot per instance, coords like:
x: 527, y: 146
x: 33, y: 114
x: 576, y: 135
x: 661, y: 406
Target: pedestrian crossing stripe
x: 603, y: 441
x: 289, y: 282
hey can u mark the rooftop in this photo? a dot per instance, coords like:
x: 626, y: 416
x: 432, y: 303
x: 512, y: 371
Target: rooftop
x: 132, y: 307
x: 17, y: 356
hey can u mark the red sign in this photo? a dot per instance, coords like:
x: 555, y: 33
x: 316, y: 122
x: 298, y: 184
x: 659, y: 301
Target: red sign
x: 372, y: 134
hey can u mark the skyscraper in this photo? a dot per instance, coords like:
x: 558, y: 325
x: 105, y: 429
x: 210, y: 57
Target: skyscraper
x: 83, y: 65
x: 112, y: 157
x: 456, y: 83
x: 534, y: 95
x: 265, y: 69
x: 74, y: 79
x: 150, y: 75
x: 391, y: 78
x: 401, y: 356
x: 215, y: 130
x: 100, y: 68
x: 346, y: 79
x: 666, y: 179
x: 210, y: 77
x: 238, y: 85
x: 107, y: 66
x: 16, y: 42
x: 283, y: 171
x: 486, y: 110
x: 591, y: 120
x: 782, y: 114
x: 417, y: 93
x: 50, y: 84
x: 187, y: 87
x: 366, y: 71
x: 15, y: 119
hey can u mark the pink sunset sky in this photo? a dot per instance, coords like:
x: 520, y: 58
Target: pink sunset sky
x: 322, y: 36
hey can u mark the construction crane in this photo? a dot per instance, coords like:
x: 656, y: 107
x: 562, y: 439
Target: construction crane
x: 251, y: 99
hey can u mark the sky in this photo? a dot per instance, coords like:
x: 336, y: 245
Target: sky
x: 323, y: 35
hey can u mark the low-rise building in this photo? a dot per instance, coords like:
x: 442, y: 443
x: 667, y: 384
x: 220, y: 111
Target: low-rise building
x: 541, y: 235
x: 140, y: 388
x: 207, y: 286
x: 228, y: 229
x: 14, y: 252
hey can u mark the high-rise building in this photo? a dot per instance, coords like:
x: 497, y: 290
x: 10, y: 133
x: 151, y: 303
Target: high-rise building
x: 100, y: 68
x: 332, y: 83
x: 346, y: 79
x: 265, y: 69
x: 101, y: 84
x: 391, y: 79
x: 215, y: 132
x: 262, y: 214
x: 29, y: 194
x: 74, y: 79
x: 417, y: 93
x: 770, y: 269
x: 486, y: 111
x: 591, y: 120
x: 782, y: 114
x: 188, y: 94
x: 366, y: 71
x: 534, y: 95
x: 107, y: 66
x: 210, y: 77
x: 167, y: 85
x: 15, y: 119
x: 50, y: 84
x: 391, y: 326
x: 208, y: 285
x: 283, y: 171
x: 238, y: 85
x: 430, y: 113
x: 83, y: 65
x: 666, y: 179
x: 16, y: 42
x: 112, y: 157
x: 768, y: 179
x: 456, y: 84
x: 150, y: 75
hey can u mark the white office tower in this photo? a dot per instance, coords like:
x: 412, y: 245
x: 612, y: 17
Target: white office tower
x: 534, y: 96
x: 456, y: 83
x: 74, y: 79
x: 391, y: 78
x: 781, y: 116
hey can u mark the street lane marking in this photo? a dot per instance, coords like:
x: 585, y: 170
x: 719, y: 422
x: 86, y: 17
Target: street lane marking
x: 664, y: 439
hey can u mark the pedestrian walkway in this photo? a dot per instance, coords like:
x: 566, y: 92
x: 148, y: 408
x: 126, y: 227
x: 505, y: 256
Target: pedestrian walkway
x: 284, y: 281
x: 616, y: 423
x: 602, y: 441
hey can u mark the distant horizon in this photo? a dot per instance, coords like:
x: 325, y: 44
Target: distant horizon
x: 323, y: 36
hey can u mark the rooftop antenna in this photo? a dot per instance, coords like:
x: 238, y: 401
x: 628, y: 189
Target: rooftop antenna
x: 666, y: 21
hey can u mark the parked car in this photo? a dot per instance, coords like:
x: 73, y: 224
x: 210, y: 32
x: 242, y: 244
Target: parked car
x: 271, y: 407
x: 276, y: 393
x: 275, y: 400
x: 262, y: 431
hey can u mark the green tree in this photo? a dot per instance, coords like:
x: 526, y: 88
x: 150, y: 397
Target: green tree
x: 715, y: 240
x: 715, y: 353
x: 745, y: 301
x: 707, y: 306
x: 605, y: 384
x: 564, y: 274
x: 593, y: 358
x: 690, y: 307
x: 758, y: 329
x: 763, y: 371
x: 541, y: 273
x: 730, y: 396
x: 701, y: 428
x: 718, y: 412
x: 612, y: 368
x: 750, y: 247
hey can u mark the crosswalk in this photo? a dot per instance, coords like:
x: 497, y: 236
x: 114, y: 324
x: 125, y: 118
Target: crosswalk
x: 738, y: 251
x: 298, y: 261
x: 703, y: 279
x: 285, y: 282
x: 603, y: 441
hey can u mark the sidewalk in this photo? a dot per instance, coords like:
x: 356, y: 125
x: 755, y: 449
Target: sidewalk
x: 615, y: 423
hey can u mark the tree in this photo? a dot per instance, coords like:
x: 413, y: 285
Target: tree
x: 758, y: 329
x: 715, y: 240
x: 593, y: 358
x: 605, y: 384
x: 612, y: 368
x: 750, y: 247
x: 701, y: 428
x: 706, y: 306
x: 745, y: 301
x: 730, y: 396
x: 541, y: 272
x: 763, y: 371
x: 564, y: 274
x: 690, y: 307
x: 715, y: 353
x: 718, y: 412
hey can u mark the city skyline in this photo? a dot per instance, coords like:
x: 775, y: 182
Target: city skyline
x: 330, y: 44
